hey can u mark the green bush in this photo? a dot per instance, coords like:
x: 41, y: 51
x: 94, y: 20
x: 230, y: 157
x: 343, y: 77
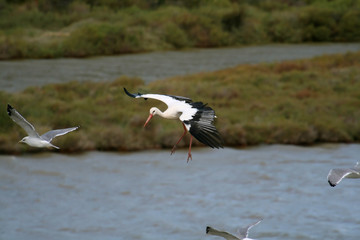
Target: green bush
x: 349, y: 26
x: 54, y: 5
x: 175, y: 36
x: 103, y: 38
x: 318, y: 24
x: 80, y: 28
x: 234, y: 19
x: 283, y: 27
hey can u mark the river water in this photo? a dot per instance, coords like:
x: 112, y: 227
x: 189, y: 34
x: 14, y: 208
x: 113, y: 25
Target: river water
x: 152, y: 195
x: 17, y: 75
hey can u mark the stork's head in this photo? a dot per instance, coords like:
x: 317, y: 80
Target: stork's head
x: 153, y: 112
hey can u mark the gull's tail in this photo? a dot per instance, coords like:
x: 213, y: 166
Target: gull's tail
x: 52, y: 145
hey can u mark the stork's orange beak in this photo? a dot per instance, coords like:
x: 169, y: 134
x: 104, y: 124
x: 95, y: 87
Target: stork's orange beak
x: 148, y: 120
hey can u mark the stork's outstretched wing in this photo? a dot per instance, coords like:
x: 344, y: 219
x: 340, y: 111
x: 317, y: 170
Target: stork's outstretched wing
x: 169, y: 100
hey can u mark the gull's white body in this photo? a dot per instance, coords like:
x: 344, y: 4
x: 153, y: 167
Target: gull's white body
x: 34, y: 139
x: 37, y: 142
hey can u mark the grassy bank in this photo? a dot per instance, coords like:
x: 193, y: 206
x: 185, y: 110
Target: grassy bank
x: 81, y: 28
x: 293, y: 102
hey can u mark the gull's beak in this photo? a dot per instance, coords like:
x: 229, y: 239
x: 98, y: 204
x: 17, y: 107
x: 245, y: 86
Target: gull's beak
x: 148, y: 120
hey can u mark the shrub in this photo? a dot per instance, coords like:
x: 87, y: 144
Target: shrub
x: 103, y: 38
x: 349, y: 26
x: 175, y: 36
x: 234, y: 19
x: 318, y: 24
x: 115, y: 27
x: 283, y: 27
x: 54, y: 5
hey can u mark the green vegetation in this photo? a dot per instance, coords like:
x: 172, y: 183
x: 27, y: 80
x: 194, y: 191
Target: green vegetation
x: 81, y: 28
x: 293, y: 102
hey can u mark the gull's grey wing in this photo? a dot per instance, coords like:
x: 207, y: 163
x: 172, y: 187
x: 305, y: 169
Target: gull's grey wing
x: 336, y: 175
x: 55, y: 133
x: 226, y: 235
x: 244, y: 232
x: 357, y: 166
x: 21, y: 121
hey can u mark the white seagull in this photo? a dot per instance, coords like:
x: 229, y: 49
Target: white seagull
x: 336, y: 175
x: 196, y: 117
x: 242, y: 233
x: 34, y: 139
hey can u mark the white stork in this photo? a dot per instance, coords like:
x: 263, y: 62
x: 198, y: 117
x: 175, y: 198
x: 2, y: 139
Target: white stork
x: 242, y: 233
x: 34, y: 139
x: 196, y: 117
x: 336, y: 175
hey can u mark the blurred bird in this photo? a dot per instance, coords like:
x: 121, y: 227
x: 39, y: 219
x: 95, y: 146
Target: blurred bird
x: 242, y: 233
x: 336, y: 175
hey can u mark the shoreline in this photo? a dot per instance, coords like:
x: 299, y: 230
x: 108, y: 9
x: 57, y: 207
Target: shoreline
x: 150, y: 67
x: 182, y: 149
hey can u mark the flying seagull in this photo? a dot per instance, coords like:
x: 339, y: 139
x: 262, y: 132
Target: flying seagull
x: 336, y: 175
x: 34, y: 139
x: 196, y: 117
x: 242, y: 233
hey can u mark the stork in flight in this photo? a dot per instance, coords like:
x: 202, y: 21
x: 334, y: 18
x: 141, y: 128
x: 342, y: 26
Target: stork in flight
x: 337, y: 174
x: 34, y: 139
x: 242, y: 233
x: 196, y: 117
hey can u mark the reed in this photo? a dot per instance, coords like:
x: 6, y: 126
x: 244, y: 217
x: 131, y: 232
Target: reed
x: 82, y: 28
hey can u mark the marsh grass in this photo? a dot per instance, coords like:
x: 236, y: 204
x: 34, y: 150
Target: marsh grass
x: 33, y: 29
x: 293, y: 102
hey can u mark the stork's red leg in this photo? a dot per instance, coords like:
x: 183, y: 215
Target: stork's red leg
x: 189, y: 153
x: 185, y: 131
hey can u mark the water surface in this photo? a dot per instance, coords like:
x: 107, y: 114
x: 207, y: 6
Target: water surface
x: 152, y: 195
x: 17, y: 75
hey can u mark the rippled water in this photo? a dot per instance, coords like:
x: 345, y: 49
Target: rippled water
x: 152, y: 195
x: 17, y: 75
